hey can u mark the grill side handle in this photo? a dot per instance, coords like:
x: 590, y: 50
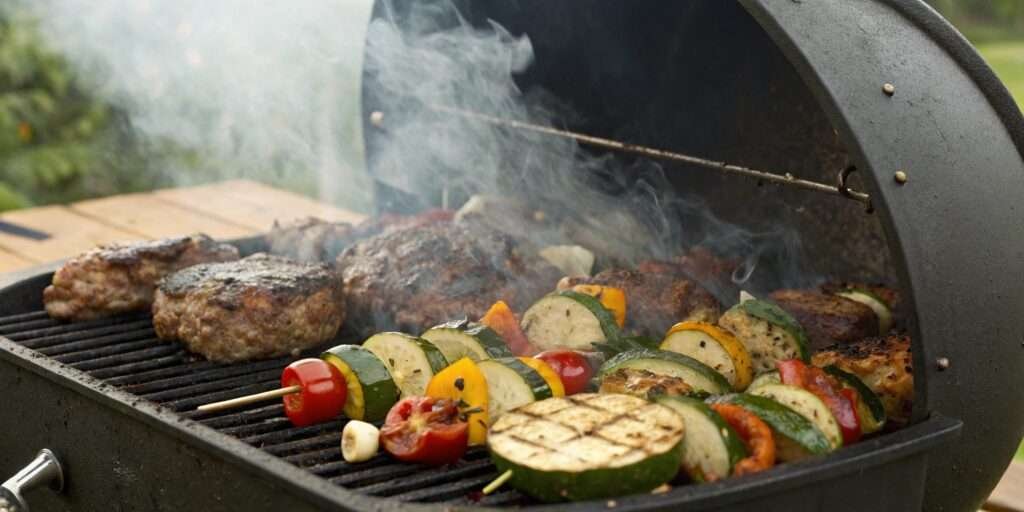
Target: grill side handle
x: 45, y: 469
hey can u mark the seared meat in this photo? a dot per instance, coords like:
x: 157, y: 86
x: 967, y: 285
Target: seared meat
x: 828, y: 319
x: 416, y: 277
x: 655, y: 301
x: 884, y: 364
x: 315, y: 240
x: 644, y: 384
x: 887, y: 295
x: 119, y: 278
x: 258, y: 307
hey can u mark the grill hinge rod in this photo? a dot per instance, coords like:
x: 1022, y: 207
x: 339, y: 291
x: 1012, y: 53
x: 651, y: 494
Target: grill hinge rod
x: 787, y: 179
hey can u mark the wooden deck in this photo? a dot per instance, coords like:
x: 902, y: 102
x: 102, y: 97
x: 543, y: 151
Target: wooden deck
x: 229, y: 209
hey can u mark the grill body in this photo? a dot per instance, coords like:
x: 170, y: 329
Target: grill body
x: 118, y: 407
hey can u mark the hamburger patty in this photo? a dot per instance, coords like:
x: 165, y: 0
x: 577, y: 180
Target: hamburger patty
x: 119, y: 278
x: 828, y: 319
x: 417, y: 277
x: 257, y: 307
x: 657, y: 298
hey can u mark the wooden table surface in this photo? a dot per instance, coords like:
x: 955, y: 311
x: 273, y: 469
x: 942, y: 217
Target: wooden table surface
x: 229, y: 209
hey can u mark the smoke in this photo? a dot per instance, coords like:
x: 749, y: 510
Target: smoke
x: 276, y: 87
x: 254, y: 88
x: 424, y: 59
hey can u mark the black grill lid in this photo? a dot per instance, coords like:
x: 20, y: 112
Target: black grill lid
x: 952, y: 231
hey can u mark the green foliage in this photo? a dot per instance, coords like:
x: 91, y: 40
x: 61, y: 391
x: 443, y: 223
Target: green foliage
x: 984, y: 20
x: 57, y: 143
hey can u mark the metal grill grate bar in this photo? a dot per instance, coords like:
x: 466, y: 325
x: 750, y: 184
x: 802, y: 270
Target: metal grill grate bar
x: 93, y: 344
x: 124, y: 352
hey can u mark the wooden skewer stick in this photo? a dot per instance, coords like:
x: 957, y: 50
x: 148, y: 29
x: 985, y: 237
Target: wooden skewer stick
x: 249, y: 399
x: 497, y: 482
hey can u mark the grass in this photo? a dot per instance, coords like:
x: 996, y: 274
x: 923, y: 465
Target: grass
x: 1007, y: 59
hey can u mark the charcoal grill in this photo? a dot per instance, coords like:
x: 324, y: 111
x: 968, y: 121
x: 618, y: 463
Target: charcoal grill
x: 808, y: 87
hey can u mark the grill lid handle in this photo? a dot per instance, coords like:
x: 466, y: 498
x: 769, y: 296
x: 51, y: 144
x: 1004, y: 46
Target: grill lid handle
x: 44, y: 469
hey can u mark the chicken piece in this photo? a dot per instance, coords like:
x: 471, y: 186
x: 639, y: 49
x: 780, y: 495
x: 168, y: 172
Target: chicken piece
x: 258, y: 307
x: 884, y: 364
x: 655, y: 301
x: 121, y: 278
x: 828, y: 319
x: 417, y: 277
x: 644, y: 384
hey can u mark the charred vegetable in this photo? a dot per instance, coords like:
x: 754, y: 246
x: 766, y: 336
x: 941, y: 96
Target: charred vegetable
x: 425, y: 430
x: 588, y: 446
x: 693, y: 372
x: 768, y: 333
x: 711, y: 448
x: 714, y: 347
x: 465, y: 383
x: 503, y: 321
x: 412, y: 361
x: 795, y: 437
x: 568, y: 319
x: 371, y: 391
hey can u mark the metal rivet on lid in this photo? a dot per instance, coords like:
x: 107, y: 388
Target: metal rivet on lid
x: 900, y: 177
x: 377, y: 118
x: 942, y: 363
x: 889, y: 89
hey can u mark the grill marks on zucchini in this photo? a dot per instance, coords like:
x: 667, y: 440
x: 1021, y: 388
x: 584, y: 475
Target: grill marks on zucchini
x: 568, y: 319
x: 660, y: 362
x: 588, y: 446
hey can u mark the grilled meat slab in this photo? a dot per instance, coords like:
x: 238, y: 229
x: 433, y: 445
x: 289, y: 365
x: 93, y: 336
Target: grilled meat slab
x: 120, y: 278
x: 884, y: 364
x: 656, y: 299
x: 257, y: 307
x: 315, y: 240
x: 828, y: 319
x: 416, y: 277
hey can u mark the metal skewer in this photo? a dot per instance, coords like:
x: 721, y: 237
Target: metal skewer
x: 249, y: 399
x: 783, y: 179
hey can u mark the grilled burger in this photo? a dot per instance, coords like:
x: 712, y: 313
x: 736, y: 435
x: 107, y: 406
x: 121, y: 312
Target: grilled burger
x: 120, y: 278
x: 258, y: 307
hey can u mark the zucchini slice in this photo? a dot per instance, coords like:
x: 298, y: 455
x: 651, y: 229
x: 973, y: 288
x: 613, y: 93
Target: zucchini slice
x: 464, y: 382
x: 796, y: 437
x: 371, y: 391
x: 714, y: 347
x: 695, y: 373
x: 467, y: 339
x: 511, y: 384
x: 412, y: 361
x: 769, y: 333
x: 588, y: 446
x: 870, y: 409
x: 711, y: 447
x: 876, y: 304
x: 568, y: 319
x: 765, y: 378
x: 808, y: 405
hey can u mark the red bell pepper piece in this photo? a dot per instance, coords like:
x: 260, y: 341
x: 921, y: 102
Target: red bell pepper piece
x: 756, y: 436
x: 426, y: 430
x: 571, y: 366
x: 501, y: 318
x: 815, y: 380
x: 323, y: 392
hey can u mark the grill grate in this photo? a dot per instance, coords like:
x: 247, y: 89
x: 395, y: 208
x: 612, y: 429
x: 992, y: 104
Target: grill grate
x: 125, y: 353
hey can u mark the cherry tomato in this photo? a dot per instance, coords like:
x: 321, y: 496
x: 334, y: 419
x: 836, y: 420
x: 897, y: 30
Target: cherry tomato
x: 426, y: 430
x: 573, y: 368
x: 815, y: 380
x: 323, y: 392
